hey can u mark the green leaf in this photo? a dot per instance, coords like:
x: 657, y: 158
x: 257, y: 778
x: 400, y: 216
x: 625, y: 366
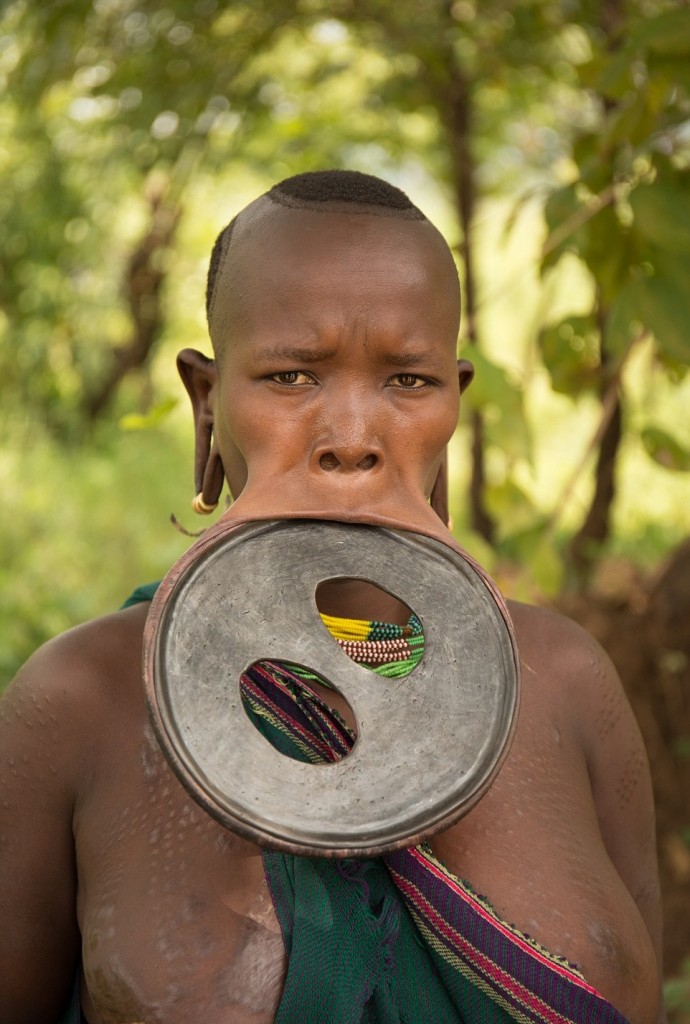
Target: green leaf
x: 570, y: 351
x: 559, y: 208
x: 631, y: 124
x: 664, y: 308
x: 150, y: 420
x: 510, y: 506
x: 675, y: 370
x: 614, y: 79
x: 605, y: 249
x: 501, y: 404
x: 592, y: 163
x: 623, y: 320
x: 668, y: 33
x: 662, y: 215
x: 665, y: 450
x: 672, y: 71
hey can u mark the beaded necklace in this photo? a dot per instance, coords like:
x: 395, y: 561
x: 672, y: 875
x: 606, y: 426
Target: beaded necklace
x: 384, y: 647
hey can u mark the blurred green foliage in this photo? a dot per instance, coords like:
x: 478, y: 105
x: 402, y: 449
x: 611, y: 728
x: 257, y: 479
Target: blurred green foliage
x: 677, y: 997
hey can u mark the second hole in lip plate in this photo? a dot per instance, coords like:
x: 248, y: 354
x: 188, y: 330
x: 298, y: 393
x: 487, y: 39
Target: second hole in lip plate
x: 273, y: 691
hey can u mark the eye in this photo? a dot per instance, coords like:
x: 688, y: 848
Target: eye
x: 292, y: 378
x: 409, y: 381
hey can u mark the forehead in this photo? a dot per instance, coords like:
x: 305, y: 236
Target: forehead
x: 317, y: 241
x: 340, y: 263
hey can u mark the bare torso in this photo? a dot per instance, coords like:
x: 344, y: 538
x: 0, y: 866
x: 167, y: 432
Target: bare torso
x: 175, y: 916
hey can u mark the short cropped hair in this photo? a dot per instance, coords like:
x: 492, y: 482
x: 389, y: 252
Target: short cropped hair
x: 324, y: 191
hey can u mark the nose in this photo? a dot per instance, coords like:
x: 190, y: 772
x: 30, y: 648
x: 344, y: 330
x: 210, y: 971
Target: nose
x: 350, y: 442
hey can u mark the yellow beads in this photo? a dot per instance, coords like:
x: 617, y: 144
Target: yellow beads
x: 346, y: 629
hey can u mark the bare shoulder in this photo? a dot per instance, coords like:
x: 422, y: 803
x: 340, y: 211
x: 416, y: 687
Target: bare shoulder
x: 567, y: 665
x: 545, y: 634
x: 72, y: 682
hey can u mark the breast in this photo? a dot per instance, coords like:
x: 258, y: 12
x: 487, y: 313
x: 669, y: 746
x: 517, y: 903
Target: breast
x: 176, y: 918
x: 533, y: 848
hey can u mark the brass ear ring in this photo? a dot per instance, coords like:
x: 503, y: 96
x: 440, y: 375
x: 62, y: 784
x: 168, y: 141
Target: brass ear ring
x: 210, y: 480
x: 201, y: 507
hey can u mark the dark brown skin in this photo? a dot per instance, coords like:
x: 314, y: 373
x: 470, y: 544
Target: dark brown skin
x: 99, y: 844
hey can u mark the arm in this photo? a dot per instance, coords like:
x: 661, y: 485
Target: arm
x: 578, y: 687
x: 619, y: 773
x: 591, y: 697
x: 40, y: 763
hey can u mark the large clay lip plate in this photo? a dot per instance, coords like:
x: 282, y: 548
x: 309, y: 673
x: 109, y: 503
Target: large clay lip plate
x: 429, y: 744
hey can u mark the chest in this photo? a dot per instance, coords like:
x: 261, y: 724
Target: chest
x: 177, y: 920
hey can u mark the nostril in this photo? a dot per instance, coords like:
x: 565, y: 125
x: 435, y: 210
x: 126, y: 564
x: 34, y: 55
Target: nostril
x: 329, y: 461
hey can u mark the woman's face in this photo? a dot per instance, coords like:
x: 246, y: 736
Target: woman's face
x: 337, y: 379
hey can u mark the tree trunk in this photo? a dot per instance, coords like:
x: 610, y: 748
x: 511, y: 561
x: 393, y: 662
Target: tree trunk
x: 143, y: 285
x: 585, y: 546
x: 456, y: 111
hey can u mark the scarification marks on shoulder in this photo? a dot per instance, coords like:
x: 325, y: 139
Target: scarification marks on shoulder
x: 629, y: 779
x: 611, y: 702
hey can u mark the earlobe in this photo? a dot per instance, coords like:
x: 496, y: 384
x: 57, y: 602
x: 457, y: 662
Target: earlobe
x: 465, y: 374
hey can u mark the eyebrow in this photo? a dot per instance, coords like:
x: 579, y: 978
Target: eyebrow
x: 297, y: 354
x: 410, y: 358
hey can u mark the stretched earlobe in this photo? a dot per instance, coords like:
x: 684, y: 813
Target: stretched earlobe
x: 465, y: 374
x: 212, y: 480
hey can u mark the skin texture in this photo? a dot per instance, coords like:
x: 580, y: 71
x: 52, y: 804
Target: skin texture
x: 342, y: 389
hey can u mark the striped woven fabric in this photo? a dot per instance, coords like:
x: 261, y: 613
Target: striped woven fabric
x: 468, y: 939
x: 287, y: 710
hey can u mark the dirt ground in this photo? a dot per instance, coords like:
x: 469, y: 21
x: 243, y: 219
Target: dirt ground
x: 644, y: 624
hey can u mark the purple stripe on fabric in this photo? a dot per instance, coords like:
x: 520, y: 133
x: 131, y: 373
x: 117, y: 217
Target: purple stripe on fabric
x: 305, y: 708
x: 527, y: 978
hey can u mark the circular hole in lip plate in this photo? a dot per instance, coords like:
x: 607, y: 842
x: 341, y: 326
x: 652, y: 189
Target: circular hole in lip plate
x: 419, y: 764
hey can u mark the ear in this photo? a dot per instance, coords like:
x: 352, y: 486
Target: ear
x: 465, y: 373
x: 198, y: 374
